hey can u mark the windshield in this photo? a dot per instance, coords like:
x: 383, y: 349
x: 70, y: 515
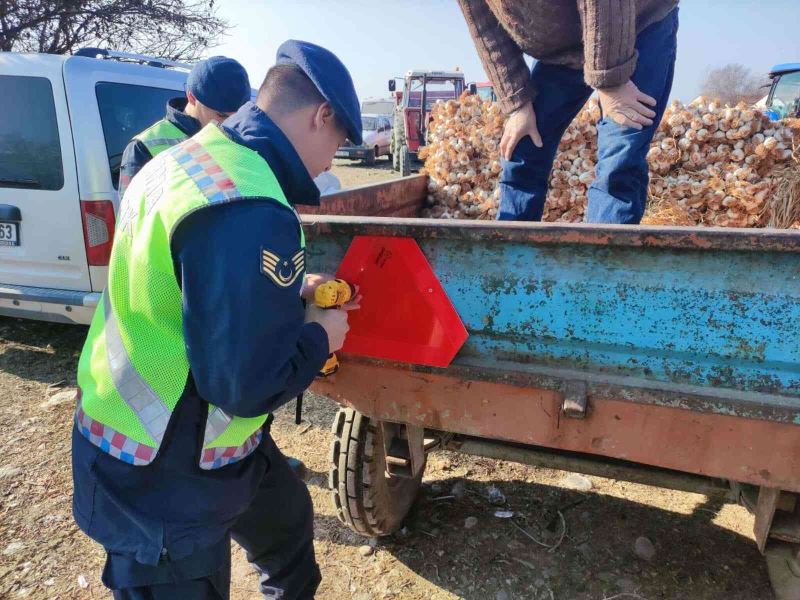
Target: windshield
x: 786, y: 96
x: 369, y: 123
x: 486, y: 93
x: 434, y: 91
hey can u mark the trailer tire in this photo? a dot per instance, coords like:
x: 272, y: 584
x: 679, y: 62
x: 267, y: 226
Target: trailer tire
x: 366, y: 498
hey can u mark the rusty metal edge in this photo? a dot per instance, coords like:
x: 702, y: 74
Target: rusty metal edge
x: 752, y: 405
x: 395, y: 198
x: 639, y: 236
x: 609, y: 468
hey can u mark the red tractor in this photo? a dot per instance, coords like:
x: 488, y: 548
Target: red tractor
x: 420, y: 89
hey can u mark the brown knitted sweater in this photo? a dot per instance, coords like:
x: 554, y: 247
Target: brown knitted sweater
x: 597, y: 36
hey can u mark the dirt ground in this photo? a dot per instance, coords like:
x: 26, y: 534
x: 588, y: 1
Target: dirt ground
x: 703, y: 548
x: 352, y: 173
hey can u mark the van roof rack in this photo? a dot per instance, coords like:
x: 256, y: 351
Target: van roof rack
x: 151, y: 61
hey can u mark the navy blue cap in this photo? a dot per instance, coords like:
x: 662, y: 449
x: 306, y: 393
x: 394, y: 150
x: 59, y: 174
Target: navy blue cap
x: 331, y: 78
x: 220, y: 83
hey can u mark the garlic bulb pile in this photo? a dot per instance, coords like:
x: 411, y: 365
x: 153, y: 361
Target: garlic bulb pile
x: 573, y: 168
x: 709, y: 164
x: 463, y: 159
x: 715, y: 165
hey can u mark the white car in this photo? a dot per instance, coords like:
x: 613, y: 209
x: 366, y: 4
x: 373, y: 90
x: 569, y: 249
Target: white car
x: 66, y: 121
x: 377, y: 137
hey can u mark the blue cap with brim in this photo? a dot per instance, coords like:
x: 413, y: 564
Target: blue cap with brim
x: 331, y: 78
x: 220, y: 83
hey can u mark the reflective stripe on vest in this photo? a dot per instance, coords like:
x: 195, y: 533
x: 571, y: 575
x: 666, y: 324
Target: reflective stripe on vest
x: 214, y: 458
x: 142, y: 400
x: 161, y: 136
x: 216, y: 186
x: 152, y: 144
x: 207, y: 175
x: 111, y: 441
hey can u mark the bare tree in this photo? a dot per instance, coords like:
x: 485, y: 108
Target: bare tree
x: 174, y: 29
x: 731, y: 84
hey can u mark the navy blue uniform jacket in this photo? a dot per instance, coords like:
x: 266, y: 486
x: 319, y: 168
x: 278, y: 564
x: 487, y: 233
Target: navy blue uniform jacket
x: 249, y: 353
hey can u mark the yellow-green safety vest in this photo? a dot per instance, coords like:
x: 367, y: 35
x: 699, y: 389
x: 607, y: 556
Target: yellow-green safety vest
x: 161, y: 135
x: 134, y: 366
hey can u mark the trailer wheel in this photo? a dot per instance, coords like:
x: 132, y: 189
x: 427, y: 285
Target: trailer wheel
x: 371, y: 155
x: 367, y: 499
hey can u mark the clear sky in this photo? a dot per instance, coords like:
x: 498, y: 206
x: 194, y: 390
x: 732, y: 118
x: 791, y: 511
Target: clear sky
x: 378, y: 39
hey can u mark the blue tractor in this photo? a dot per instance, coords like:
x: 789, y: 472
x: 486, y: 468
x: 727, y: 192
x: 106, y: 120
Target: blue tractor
x: 783, y: 100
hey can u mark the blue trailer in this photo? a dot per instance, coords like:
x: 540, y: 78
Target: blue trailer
x: 663, y: 355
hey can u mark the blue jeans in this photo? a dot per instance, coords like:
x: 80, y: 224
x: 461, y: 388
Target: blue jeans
x: 619, y: 191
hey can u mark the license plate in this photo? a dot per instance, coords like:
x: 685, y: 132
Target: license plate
x: 9, y: 234
x: 342, y: 154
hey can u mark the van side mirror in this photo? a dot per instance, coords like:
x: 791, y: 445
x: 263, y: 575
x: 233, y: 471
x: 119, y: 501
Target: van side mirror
x: 473, y: 89
x: 392, y: 85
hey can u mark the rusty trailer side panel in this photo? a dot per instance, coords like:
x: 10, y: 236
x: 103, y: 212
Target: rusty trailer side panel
x: 397, y: 198
x: 686, y: 339
x: 747, y: 450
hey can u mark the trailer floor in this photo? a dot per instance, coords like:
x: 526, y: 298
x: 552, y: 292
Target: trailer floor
x: 703, y: 550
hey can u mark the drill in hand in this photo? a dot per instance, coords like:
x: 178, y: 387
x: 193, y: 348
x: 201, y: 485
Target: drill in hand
x: 333, y: 294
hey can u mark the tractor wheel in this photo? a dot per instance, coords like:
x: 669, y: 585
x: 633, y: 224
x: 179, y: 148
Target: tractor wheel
x: 367, y: 499
x: 398, y: 139
x: 404, y: 161
x: 370, y: 160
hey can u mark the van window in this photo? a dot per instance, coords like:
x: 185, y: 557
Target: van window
x: 30, y: 150
x: 126, y: 110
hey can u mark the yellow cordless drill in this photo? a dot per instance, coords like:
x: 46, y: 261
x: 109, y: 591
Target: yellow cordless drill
x: 333, y: 294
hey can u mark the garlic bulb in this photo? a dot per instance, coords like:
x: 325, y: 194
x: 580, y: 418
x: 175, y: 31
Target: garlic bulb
x: 709, y: 164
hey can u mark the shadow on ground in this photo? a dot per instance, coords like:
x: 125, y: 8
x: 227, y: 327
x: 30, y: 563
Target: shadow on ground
x: 593, y: 559
x: 43, y: 352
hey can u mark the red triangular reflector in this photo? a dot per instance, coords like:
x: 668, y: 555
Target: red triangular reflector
x: 405, y: 314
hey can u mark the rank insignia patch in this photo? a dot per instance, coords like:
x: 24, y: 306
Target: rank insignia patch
x: 283, y: 271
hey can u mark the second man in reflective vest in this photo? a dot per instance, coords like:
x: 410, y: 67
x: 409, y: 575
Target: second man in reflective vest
x: 215, y: 89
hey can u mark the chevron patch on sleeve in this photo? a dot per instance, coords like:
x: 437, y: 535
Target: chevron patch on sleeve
x: 283, y: 271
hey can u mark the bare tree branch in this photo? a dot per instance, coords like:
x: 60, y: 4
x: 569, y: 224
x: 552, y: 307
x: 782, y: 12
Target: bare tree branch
x: 733, y: 83
x: 174, y: 29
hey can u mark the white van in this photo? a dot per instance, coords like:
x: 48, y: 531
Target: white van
x: 66, y: 121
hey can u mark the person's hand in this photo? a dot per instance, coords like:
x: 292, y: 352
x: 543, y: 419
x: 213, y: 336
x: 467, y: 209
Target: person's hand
x: 312, y: 282
x: 522, y: 122
x: 627, y: 106
x: 333, y: 321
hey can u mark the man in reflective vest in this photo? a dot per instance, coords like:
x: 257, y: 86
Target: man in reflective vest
x: 200, y: 335
x: 215, y: 89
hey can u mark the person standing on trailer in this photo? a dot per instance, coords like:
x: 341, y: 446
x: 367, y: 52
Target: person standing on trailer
x: 622, y: 49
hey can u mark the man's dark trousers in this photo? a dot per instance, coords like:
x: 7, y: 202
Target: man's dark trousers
x: 619, y: 191
x: 277, y: 532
